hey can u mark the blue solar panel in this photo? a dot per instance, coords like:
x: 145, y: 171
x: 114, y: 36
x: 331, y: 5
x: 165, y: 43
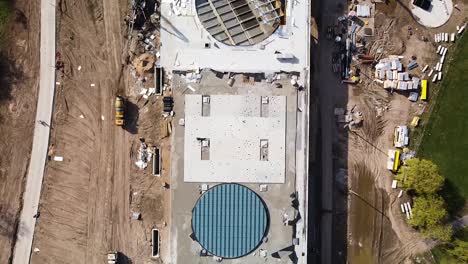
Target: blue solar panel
x: 229, y: 220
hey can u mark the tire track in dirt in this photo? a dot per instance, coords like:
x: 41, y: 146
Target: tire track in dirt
x: 83, y: 205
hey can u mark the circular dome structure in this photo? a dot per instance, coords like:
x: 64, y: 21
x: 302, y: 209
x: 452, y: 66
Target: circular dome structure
x: 239, y: 22
x: 229, y: 220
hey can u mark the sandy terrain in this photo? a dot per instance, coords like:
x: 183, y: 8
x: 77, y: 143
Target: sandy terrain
x: 88, y: 198
x: 19, y: 87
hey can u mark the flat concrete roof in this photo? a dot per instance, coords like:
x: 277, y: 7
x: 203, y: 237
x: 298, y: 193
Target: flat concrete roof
x: 438, y: 14
x: 184, y: 246
x: 188, y: 45
x: 237, y: 128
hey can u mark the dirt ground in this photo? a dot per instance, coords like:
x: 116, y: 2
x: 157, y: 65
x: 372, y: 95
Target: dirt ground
x: 18, y: 97
x: 88, y: 198
x: 378, y: 232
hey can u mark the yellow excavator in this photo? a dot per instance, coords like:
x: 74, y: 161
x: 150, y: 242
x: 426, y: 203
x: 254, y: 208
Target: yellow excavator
x: 119, y: 111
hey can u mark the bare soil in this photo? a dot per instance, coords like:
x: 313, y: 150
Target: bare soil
x: 19, y: 83
x: 88, y: 198
x: 378, y: 232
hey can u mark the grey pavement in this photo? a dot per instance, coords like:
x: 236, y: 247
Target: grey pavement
x: 329, y: 87
x: 32, y: 192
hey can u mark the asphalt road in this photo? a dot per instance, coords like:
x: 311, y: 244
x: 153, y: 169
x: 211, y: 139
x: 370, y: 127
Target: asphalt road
x: 32, y: 193
x: 329, y: 90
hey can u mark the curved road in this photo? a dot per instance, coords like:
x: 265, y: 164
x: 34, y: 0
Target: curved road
x: 32, y: 193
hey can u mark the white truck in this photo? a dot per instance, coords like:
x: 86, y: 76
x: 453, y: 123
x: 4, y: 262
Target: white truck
x: 401, y: 137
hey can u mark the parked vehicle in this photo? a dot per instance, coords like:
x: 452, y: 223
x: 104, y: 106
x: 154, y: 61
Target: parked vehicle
x: 119, y: 111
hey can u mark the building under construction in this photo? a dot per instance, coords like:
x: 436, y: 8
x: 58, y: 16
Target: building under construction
x: 239, y: 78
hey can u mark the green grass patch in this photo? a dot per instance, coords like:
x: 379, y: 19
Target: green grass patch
x: 6, y: 9
x: 440, y: 253
x: 445, y: 135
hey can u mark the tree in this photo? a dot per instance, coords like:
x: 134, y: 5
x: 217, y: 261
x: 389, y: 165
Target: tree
x: 443, y: 233
x: 428, y: 211
x: 459, y: 250
x: 421, y: 175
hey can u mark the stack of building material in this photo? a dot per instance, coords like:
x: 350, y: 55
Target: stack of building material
x: 460, y: 29
x: 363, y: 10
x: 406, y: 208
x: 390, y: 71
x: 437, y: 69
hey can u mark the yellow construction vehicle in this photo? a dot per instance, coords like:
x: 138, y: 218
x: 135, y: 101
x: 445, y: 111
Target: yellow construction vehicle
x: 119, y: 110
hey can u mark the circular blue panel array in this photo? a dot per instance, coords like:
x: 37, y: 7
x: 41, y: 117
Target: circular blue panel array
x: 229, y: 220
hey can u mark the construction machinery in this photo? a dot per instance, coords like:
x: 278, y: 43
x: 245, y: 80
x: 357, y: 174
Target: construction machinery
x: 113, y: 257
x: 401, y: 137
x: 393, y: 161
x: 119, y: 111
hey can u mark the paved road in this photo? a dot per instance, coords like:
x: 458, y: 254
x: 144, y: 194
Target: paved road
x: 329, y: 89
x: 35, y: 175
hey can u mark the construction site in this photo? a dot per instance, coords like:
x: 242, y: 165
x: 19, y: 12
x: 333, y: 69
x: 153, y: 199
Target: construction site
x: 205, y: 131
x: 122, y: 178
x: 378, y: 66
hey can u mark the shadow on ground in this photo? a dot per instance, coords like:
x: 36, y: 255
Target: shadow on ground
x: 131, y: 117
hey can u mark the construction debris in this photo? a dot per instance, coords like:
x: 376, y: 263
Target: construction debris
x: 352, y: 118
x: 144, y: 63
x: 144, y: 155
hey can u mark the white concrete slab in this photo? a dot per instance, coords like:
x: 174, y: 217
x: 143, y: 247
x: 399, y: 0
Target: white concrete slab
x: 234, y: 128
x: 437, y: 15
x: 184, y: 38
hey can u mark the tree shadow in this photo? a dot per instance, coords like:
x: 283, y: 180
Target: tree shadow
x: 8, y: 224
x: 10, y: 74
x: 454, y: 200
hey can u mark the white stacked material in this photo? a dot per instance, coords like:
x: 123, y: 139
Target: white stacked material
x: 409, y: 209
x: 439, y: 76
x: 415, y: 82
x: 430, y: 73
x: 402, y: 208
x: 438, y: 48
x: 363, y: 10
x: 462, y: 28
x: 441, y: 50
x: 403, y: 76
x: 434, y: 78
x: 452, y: 37
x: 445, y: 52
x: 394, y: 184
x: 389, y: 70
x: 442, y: 60
x: 402, y: 86
x: 425, y: 68
x: 446, y: 37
